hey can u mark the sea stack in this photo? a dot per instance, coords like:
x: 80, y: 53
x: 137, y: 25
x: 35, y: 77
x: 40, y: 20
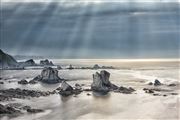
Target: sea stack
x: 101, y: 82
x: 49, y: 75
x: 46, y: 63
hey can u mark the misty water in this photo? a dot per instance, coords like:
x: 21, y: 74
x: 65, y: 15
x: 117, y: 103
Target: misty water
x: 138, y: 105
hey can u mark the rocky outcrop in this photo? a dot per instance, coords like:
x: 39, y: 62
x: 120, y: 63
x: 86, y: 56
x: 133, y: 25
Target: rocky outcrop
x: 21, y: 94
x: 4, y: 110
x: 101, y: 82
x: 157, y: 83
x: 49, y: 75
x: 59, y: 67
x: 24, y: 82
x: 30, y: 110
x: 7, y: 61
x: 46, y: 63
x: 66, y: 89
x: 28, y: 63
x: 70, y: 67
x: 96, y: 66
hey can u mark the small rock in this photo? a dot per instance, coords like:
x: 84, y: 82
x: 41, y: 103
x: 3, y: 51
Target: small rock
x: 32, y: 82
x: 150, y: 83
x: 172, y: 85
x: 155, y: 94
x: 125, y: 90
x: 24, y: 82
x: 70, y: 67
x: 34, y: 110
x: 174, y: 93
x: 1, y: 82
x: 87, y: 89
x: 26, y: 107
x: 59, y: 67
x: 157, y: 83
x: 78, y: 86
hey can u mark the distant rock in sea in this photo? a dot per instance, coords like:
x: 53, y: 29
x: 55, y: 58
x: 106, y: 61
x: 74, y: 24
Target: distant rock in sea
x: 157, y: 83
x: 96, y: 66
x: 46, y: 63
x: 28, y: 63
x: 8, y: 62
x: 70, y: 67
x: 49, y: 75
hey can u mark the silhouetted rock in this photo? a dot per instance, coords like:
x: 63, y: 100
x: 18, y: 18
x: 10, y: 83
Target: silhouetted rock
x: 28, y: 63
x: 7, y: 61
x: 70, y: 67
x: 59, y: 67
x: 172, y: 85
x: 96, y: 66
x: 78, y: 86
x: 32, y: 82
x: 49, y: 75
x: 24, y: 82
x: 148, y: 90
x: 34, y: 110
x: 157, y: 83
x: 150, y: 83
x: 46, y: 63
x: 1, y: 82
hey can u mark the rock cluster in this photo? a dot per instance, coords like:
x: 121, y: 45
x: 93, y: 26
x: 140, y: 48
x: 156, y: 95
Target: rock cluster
x: 156, y: 83
x: 8, y: 94
x: 25, y: 82
x: 66, y: 89
x: 46, y: 63
x: 49, y: 75
x: 8, y: 110
x: 28, y: 63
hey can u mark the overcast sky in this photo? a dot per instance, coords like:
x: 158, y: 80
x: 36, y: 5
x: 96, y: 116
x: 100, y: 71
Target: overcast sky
x: 92, y: 30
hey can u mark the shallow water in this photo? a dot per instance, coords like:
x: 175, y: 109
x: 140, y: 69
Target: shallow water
x: 138, y: 105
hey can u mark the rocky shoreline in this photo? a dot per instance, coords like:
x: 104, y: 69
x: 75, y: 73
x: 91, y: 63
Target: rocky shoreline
x: 101, y: 84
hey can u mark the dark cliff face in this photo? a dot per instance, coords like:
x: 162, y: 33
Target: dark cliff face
x: 7, y: 61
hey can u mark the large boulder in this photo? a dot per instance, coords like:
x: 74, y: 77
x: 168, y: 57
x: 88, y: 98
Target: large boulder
x: 49, y: 75
x: 101, y: 82
x: 46, y: 63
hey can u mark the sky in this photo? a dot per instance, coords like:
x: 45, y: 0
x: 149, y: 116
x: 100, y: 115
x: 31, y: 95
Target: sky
x: 91, y: 29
